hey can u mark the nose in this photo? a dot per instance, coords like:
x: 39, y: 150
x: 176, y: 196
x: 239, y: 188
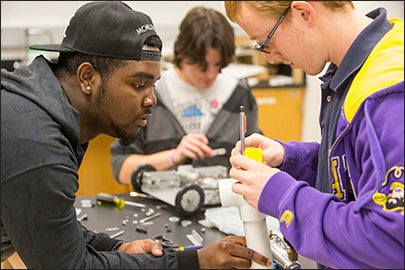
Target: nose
x: 150, y: 99
x: 212, y: 72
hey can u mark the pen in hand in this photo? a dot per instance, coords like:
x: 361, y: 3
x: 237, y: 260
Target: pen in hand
x: 242, y: 129
x: 184, y: 248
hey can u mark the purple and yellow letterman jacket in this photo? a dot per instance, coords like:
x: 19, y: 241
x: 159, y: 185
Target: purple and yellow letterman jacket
x: 359, y: 221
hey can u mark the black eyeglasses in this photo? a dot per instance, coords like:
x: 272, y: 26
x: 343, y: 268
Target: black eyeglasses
x: 262, y: 47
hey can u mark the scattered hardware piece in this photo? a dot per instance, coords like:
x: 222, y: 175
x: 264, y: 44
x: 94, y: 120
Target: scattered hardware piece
x: 125, y: 222
x: 150, y: 217
x: 185, y: 223
x: 195, y: 238
x: 149, y: 212
x: 174, y: 219
x: 147, y: 223
x: 112, y: 229
x: 117, y: 234
x: 141, y: 229
x: 86, y: 203
x: 83, y: 217
x: 141, y: 195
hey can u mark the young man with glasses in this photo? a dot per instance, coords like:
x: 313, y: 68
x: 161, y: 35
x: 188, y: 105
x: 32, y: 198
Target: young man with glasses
x: 102, y: 83
x: 333, y: 198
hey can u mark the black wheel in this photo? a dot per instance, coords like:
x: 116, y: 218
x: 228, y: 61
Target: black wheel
x: 136, y: 178
x: 189, y: 200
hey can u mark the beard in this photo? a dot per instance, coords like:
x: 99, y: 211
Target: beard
x: 126, y: 140
x: 394, y: 202
x: 124, y: 137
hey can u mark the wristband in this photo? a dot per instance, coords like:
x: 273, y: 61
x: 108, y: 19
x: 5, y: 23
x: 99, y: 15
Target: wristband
x: 117, y: 245
x: 171, y: 157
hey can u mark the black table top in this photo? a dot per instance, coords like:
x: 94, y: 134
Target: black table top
x: 105, y: 217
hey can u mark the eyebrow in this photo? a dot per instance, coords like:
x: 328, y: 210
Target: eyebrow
x: 143, y: 75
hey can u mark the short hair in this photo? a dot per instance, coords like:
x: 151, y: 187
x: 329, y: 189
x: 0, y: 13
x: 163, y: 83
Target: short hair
x: 202, y: 29
x: 274, y: 9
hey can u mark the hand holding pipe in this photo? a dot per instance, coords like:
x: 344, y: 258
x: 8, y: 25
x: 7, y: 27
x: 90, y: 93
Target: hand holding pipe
x: 254, y: 222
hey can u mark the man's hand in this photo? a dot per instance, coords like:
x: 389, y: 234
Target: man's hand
x: 230, y: 252
x: 142, y: 246
x: 251, y: 177
x: 273, y: 151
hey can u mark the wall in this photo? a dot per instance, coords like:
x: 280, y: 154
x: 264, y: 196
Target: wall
x: 54, y: 15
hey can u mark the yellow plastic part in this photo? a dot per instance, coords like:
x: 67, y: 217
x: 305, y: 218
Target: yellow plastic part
x: 254, y: 153
x: 120, y: 203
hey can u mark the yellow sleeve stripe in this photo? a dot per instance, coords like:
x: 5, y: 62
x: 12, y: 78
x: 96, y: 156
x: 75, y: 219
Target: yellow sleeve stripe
x: 384, y: 67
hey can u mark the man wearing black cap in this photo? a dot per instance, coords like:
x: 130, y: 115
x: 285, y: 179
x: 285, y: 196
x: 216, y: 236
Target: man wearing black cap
x: 102, y: 83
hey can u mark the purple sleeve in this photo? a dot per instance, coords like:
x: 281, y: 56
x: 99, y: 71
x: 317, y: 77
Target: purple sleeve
x: 362, y: 233
x: 301, y: 160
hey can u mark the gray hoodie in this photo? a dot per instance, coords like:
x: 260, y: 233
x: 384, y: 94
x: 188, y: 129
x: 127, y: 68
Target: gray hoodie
x: 40, y: 158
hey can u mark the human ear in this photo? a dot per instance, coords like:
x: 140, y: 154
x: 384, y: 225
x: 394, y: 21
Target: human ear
x: 85, y: 75
x: 305, y: 10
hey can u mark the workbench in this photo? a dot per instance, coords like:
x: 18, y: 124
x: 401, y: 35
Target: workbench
x: 113, y: 220
x: 169, y: 226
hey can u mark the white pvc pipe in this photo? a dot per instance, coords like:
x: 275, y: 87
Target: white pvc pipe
x: 254, y: 222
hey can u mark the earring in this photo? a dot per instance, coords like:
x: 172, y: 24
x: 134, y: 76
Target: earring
x: 88, y: 87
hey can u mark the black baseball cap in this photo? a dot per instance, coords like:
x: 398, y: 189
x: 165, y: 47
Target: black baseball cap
x: 107, y: 28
